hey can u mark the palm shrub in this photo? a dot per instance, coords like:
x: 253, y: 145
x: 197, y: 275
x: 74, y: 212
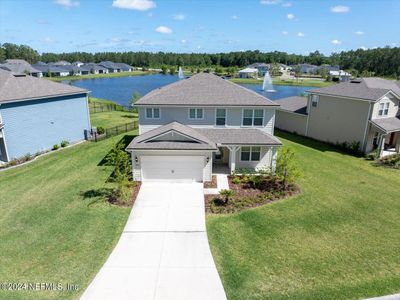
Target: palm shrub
x: 286, y: 167
x: 227, y: 194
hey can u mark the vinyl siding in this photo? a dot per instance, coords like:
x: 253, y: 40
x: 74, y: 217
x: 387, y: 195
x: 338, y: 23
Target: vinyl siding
x: 393, y: 107
x: 33, y: 126
x: 264, y: 162
x: 181, y: 115
x: 338, y: 120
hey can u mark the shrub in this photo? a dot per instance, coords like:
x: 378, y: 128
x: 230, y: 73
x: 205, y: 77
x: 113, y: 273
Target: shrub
x: 120, y: 159
x: 64, y: 143
x: 100, y: 130
x: 12, y: 163
x: 172, y: 70
x: 227, y: 194
x: 256, y: 181
x: 236, y: 180
x: 27, y: 157
x: 392, y: 161
x: 55, y: 147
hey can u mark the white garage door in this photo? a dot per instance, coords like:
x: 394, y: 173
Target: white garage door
x: 180, y: 168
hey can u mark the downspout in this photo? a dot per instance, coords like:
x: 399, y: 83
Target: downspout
x: 364, y: 146
x: 4, y: 139
x: 308, y: 113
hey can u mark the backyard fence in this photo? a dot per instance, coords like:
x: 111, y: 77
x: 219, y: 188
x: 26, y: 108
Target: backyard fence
x: 96, y: 107
x: 112, y: 131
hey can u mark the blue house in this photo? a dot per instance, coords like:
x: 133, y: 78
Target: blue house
x: 37, y: 113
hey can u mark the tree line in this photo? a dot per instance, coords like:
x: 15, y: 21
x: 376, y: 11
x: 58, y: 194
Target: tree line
x: 379, y: 61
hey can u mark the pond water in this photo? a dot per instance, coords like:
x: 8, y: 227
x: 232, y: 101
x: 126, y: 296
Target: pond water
x: 120, y: 89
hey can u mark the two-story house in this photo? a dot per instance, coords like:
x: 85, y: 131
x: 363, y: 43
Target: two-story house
x: 188, y: 127
x: 362, y: 110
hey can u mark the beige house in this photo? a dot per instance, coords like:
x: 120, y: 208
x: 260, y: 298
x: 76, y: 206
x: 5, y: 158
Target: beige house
x: 364, y: 111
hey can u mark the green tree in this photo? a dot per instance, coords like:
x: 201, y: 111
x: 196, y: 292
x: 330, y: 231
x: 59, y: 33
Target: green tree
x: 286, y: 167
x: 164, y: 69
x: 172, y: 70
x: 135, y: 97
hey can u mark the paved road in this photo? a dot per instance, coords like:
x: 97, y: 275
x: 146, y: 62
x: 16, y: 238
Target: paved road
x: 163, y: 252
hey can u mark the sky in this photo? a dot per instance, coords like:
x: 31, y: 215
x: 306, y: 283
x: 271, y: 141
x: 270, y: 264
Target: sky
x: 293, y: 26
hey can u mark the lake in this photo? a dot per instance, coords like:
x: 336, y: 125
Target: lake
x: 120, y: 89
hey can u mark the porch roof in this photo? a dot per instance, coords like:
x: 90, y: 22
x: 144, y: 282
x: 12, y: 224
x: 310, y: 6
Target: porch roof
x: 387, y: 125
x: 239, y: 136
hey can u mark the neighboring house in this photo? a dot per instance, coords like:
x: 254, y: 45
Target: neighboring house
x: 37, y: 113
x: 248, y: 73
x: 194, y: 125
x: 95, y: 69
x: 78, y: 63
x: 340, y: 75
x: 261, y: 67
x: 54, y: 70
x: 124, y: 67
x: 72, y: 70
x: 364, y: 111
x: 20, y: 66
x: 306, y: 68
x: 111, y: 66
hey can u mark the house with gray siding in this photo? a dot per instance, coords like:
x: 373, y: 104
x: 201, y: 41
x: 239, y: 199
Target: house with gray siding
x: 189, y: 128
x: 37, y: 113
x: 364, y: 111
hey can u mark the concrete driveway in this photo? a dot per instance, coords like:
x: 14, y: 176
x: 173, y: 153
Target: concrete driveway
x: 163, y: 252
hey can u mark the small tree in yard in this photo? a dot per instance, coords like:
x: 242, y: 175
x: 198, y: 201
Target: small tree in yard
x: 227, y: 194
x: 286, y: 168
x: 122, y: 163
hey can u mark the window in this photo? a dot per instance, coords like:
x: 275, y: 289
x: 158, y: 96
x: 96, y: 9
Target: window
x: 253, y: 117
x: 195, y: 113
x: 383, y: 109
x: 314, y: 100
x: 250, y: 154
x: 152, y: 113
x: 220, y: 117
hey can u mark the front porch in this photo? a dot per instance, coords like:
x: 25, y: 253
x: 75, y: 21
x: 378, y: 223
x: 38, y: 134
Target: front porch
x: 386, y: 136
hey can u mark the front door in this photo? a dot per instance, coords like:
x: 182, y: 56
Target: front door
x: 391, y: 140
x: 218, y: 157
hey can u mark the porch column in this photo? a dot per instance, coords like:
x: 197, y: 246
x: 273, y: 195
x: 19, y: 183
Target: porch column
x: 381, y: 145
x: 398, y: 142
x: 232, y: 157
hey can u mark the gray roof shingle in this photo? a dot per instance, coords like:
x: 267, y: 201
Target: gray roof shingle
x: 204, y: 138
x: 204, y: 90
x: 21, y: 87
x: 387, y: 124
x: 144, y: 141
x: 369, y: 89
x: 294, y: 104
x: 239, y: 136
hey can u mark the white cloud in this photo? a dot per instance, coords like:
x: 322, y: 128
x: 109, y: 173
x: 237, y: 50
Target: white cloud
x: 359, y: 32
x: 198, y: 47
x: 49, y: 40
x: 394, y: 44
x: 285, y: 32
x: 235, y: 17
x: 336, y: 42
x: 183, y: 41
x: 363, y: 48
x: 164, y: 29
x: 270, y: 2
x: 340, y: 9
x: 134, y: 4
x: 179, y: 17
x: 287, y: 4
x: 290, y: 16
x: 300, y: 34
x: 67, y: 3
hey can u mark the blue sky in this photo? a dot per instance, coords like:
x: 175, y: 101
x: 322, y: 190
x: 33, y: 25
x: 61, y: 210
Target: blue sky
x: 200, y: 25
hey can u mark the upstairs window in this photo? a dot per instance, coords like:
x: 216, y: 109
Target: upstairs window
x: 383, y: 109
x: 250, y: 153
x: 152, y: 113
x: 314, y: 100
x: 220, y: 117
x: 195, y: 113
x: 253, y: 117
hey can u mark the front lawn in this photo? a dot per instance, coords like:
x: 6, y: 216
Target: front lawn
x: 92, y: 76
x: 338, y: 239
x: 54, y: 223
x: 278, y: 81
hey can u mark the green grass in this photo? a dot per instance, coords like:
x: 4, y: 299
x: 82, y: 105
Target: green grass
x: 338, y: 239
x: 55, y: 224
x: 92, y: 76
x: 276, y: 81
x: 101, y: 101
x: 112, y: 118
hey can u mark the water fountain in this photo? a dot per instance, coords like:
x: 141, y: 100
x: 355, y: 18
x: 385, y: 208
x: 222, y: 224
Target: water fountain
x: 267, y: 83
x: 180, y: 73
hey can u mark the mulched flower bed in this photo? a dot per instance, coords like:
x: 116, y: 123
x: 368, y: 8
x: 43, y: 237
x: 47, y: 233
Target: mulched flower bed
x: 211, y: 184
x: 246, y: 195
x: 136, y: 188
